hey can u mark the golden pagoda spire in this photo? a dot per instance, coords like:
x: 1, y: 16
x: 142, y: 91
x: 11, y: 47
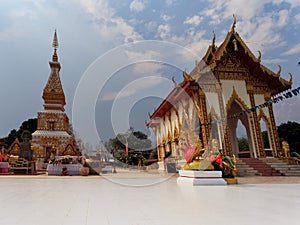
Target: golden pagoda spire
x: 55, y: 46
x: 234, y: 23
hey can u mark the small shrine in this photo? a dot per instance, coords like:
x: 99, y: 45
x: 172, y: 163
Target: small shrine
x: 18, y: 158
x: 52, y: 136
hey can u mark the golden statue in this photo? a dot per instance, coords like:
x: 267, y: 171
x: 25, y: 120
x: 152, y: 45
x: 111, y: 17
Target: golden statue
x: 191, y: 145
x: 286, y: 149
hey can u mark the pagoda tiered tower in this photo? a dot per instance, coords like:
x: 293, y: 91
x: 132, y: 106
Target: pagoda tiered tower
x: 52, y: 134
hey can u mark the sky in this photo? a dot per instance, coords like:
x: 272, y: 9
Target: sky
x: 108, y: 33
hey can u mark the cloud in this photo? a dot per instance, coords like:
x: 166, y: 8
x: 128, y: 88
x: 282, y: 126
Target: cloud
x: 165, y: 17
x: 108, y: 25
x: 194, y: 20
x: 147, y: 68
x: 289, y: 107
x: 142, y: 54
x: 164, y: 31
x: 260, y: 28
x: 283, y: 18
x: 137, y: 6
x: 293, y: 3
x: 113, y: 95
x: 170, y: 2
x: 297, y: 19
x: 151, y: 26
x: 273, y: 60
x: 294, y: 50
x: 224, y: 9
x: 139, y: 87
x: 262, y: 35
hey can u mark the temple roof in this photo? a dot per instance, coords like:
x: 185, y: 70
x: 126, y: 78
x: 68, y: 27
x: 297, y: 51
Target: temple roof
x: 210, y: 62
x: 179, y: 91
x: 49, y: 133
x: 170, y: 99
x: 214, y: 55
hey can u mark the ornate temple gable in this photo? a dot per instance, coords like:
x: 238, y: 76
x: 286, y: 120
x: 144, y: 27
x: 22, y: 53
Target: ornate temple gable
x: 69, y: 150
x: 14, y: 148
x: 262, y: 116
x: 235, y: 98
x: 230, y: 61
x: 53, y: 85
x: 234, y: 60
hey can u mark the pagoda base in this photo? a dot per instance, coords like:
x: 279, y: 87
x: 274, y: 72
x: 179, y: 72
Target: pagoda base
x: 198, y: 178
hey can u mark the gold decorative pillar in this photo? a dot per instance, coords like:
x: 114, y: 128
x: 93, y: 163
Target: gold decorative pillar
x: 202, y: 113
x: 270, y: 130
x: 161, y: 152
x: 226, y: 142
x: 273, y: 132
x: 257, y: 137
x: 174, y: 148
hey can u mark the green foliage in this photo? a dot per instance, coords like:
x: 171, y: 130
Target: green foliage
x: 243, y: 144
x: 133, y: 159
x: 30, y: 125
x: 137, y: 142
x: 290, y: 132
x: 265, y: 139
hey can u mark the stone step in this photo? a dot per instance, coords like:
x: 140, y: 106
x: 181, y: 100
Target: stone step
x: 292, y: 174
x: 261, y: 168
x: 285, y: 168
x: 243, y: 170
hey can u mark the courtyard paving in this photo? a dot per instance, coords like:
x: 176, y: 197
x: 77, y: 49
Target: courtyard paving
x: 146, y: 198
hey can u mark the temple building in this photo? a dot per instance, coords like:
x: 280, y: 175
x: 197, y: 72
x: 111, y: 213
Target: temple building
x: 52, y: 135
x: 229, y: 85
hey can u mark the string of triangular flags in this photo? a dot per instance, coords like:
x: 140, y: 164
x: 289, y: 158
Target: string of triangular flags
x: 274, y: 100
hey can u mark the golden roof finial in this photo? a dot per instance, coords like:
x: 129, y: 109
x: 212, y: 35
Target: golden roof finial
x: 279, y: 71
x: 174, y: 82
x: 214, y: 39
x: 259, y: 56
x: 291, y: 78
x: 234, y: 23
x: 55, y: 46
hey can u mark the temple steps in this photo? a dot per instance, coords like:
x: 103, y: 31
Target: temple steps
x: 243, y: 170
x: 255, y: 167
x: 284, y: 168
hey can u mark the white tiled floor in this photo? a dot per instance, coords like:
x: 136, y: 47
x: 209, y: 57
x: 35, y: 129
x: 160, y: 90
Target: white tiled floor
x: 96, y: 200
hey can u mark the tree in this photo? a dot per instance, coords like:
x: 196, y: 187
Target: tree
x: 133, y: 159
x: 243, y: 144
x: 30, y: 125
x: 290, y: 132
x: 265, y: 139
x: 137, y: 142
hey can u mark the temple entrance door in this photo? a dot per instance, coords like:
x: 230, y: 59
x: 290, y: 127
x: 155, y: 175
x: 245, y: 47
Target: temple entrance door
x: 236, y: 108
x: 266, y: 137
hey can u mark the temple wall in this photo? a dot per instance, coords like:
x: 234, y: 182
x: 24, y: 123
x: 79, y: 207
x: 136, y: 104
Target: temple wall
x: 240, y: 88
x: 174, y: 121
x: 259, y: 99
x: 40, y: 143
x: 213, y: 101
x: 161, y: 132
